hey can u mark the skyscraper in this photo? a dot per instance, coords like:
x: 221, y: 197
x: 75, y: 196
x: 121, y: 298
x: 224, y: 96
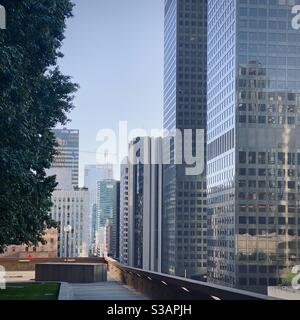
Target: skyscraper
x: 108, y: 207
x: 253, y: 142
x: 124, y: 212
x: 141, y: 205
x: 184, y: 196
x: 66, y: 163
x: 92, y: 175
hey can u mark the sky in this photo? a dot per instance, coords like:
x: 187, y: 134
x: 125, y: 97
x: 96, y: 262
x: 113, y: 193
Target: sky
x: 114, y: 51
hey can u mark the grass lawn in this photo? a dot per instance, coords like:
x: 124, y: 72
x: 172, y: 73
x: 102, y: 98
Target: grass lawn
x: 32, y: 291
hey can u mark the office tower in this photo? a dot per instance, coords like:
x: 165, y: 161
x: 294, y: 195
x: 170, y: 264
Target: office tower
x: 124, y: 212
x: 66, y: 163
x: 184, y: 196
x: 108, y: 198
x: 253, y: 142
x: 92, y: 175
x: 71, y: 208
x: 142, y: 204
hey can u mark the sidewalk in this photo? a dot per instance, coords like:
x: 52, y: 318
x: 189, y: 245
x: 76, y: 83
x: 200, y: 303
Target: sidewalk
x: 110, y: 290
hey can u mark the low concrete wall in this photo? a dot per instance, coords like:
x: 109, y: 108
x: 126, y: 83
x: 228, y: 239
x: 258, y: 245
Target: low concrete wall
x: 284, y: 293
x: 71, y: 272
x: 29, y: 265
x: 158, y: 286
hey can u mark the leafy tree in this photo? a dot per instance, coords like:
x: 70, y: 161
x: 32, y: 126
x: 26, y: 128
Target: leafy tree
x: 286, y: 277
x: 34, y: 97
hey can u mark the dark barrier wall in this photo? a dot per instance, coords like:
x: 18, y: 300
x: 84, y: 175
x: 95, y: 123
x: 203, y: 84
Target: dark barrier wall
x: 159, y: 286
x: 29, y: 265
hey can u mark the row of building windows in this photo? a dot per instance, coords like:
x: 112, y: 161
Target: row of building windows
x: 267, y: 36
x: 272, y: 158
x: 271, y: 221
x: 264, y: 12
x: 271, y: 209
x: 263, y: 232
x: 269, y: 172
x: 221, y: 145
x: 281, y: 120
x: 258, y: 281
x: 67, y: 200
x: 264, y: 196
x: 263, y: 184
x: 263, y: 24
x: 190, y: 209
x: 270, y: 108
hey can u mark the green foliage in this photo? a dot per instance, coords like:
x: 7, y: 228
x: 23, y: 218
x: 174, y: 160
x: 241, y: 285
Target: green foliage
x: 286, y: 277
x: 34, y: 98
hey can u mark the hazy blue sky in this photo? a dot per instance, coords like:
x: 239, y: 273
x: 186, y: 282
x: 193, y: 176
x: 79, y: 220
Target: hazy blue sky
x: 114, y: 51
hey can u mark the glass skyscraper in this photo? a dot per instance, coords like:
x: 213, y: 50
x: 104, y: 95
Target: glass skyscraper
x: 108, y: 208
x: 184, y: 207
x: 67, y: 157
x: 253, y: 142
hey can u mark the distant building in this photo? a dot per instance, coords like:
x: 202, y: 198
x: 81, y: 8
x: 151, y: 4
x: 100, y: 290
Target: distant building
x: 108, y: 198
x: 49, y: 250
x: 108, y: 245
x: 66, y: 162
x: 95, y: 173
x: 63, y: 177
x: 141, y: 205
x: 92, y: 175
x: 124, y: 212
x: 72, y: 208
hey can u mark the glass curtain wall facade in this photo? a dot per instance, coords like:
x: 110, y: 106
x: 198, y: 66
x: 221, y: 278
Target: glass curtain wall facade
x: 253, y: 144
x: 184, y: 206
x: 67, y: 152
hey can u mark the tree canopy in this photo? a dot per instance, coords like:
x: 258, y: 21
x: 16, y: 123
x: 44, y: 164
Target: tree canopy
x: 34, y: 98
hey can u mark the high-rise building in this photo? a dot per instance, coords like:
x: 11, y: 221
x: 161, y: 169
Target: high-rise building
x: 71, y: 208
x: 108, y: 199
x: 185, y: 88
x: 141, y: 205
x: 66, y: 162
x: 253, y: 142
x: 95, y: 173
x: 92, y: 175
x: 107, y: 247
x: 124, y: 212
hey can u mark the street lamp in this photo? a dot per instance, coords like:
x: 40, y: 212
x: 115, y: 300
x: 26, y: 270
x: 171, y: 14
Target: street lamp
x: 67, y: 230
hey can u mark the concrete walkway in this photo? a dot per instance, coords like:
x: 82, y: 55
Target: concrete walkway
x: 110, y: 290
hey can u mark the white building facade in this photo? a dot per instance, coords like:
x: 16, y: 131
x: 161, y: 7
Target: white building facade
x: 71, y: 208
